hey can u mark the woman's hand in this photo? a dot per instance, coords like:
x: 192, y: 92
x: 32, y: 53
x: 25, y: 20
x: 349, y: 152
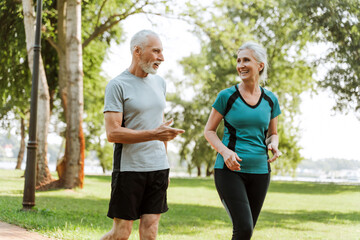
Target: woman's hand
x: 231, y: 159
x: 275, y: 151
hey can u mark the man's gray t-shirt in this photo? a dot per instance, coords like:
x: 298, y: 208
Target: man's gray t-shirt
x: 142, y: 102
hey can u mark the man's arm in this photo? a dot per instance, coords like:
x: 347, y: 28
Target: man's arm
x: 165, y: 142
x: 118, y: 134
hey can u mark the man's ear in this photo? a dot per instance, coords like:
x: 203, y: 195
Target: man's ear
x: 137, y: 51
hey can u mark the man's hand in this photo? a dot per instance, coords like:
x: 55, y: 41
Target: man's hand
x: 231, y: 159
x: 166, y: 133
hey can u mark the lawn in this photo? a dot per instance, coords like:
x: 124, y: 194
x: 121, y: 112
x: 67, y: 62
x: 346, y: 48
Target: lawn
x: 292, y: 210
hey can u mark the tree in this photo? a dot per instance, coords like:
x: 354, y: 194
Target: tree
x: 99, y: 31
x: 17, y: 80
x: 222, y: 30
x: 336, y: 23
x: 13, y: 71
x: 75, y: 142
x: 103, y: 27
x: 22, y: 144
x: 43, y: 175
x: 104, y: 152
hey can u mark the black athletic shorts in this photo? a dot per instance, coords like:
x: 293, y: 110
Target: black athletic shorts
x: 136, y: 193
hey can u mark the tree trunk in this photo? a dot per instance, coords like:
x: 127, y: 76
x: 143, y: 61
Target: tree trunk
x: 22, y: 144
x: 208, y: 172
x: 75, y: 142
x: 43, y: 114
x: 198, y: 171
x: 61, y: 29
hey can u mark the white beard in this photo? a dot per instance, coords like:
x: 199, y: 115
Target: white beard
x: 147, y: 67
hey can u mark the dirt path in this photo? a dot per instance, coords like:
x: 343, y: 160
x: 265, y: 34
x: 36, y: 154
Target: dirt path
x: 12, y: 232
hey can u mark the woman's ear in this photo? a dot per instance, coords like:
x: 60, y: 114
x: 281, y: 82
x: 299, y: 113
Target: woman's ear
x: 261, y: 66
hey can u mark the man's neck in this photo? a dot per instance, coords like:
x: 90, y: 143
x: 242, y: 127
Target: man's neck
x: 137, y: 71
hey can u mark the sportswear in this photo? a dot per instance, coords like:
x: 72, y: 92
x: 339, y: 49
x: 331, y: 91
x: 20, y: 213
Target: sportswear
x: 142, y: 102
x: 242, y: 195
x: 246, y: 128
x: 134, y: 194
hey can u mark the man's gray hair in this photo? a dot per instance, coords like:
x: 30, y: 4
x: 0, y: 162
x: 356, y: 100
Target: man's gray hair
x: 140, y: 39
x: 260, y: 56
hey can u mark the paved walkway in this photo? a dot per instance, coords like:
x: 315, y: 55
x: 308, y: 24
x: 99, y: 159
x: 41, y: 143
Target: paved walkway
x: 12, y: 232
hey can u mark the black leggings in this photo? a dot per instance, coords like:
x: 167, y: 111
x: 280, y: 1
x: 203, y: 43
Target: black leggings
x: 242, y: 195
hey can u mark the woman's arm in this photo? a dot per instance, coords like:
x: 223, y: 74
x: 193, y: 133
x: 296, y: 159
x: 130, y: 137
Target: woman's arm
x: 230, y: 157
x: 272, y: 140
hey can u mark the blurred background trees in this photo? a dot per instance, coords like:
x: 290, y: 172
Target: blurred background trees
x: 100, y: 25
x: 222, y: 30
x: 288, y: 29
x: 336, y: 23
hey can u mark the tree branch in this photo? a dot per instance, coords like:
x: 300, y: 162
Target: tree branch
x: 99, y: 15
x: 104, y: 27
x: 53, y: 44
x: 114, y: 19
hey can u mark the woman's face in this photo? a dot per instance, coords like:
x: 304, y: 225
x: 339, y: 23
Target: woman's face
x: 247, y: 66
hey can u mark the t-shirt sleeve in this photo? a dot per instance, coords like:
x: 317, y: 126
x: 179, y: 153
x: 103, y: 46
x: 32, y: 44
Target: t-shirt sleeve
x: 276, y: 108
x: 114, y: 101
x: 220, y: 102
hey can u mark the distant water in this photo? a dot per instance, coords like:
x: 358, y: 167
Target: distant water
x: 88, y: 168
x: 319, y: 179
x: 94, y: 169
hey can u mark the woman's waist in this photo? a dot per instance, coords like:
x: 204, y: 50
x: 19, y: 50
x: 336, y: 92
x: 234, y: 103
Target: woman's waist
x: 247, y: 147
x: 252, y: 155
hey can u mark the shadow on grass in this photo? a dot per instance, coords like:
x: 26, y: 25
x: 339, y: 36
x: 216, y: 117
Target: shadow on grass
x: 311, y: 188
x: 174, y: 182
x: 60, y: 213
x: 291, y: 220
x: 193, y: 182
x: 188, y: 219
x: 275, y: 186
x: 100, y: 178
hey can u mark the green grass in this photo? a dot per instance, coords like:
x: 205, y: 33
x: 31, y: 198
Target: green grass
x: 292, y: 210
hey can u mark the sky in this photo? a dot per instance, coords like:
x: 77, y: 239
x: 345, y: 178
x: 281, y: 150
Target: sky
x: 324, y: 133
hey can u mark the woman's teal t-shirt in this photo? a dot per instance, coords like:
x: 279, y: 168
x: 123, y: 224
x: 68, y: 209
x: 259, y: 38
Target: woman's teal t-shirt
x: 246, y: 128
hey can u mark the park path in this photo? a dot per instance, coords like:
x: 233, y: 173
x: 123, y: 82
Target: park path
x: 12, y: 232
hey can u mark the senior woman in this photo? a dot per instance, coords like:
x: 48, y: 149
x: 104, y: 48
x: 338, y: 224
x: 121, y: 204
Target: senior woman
x: 242, y: 167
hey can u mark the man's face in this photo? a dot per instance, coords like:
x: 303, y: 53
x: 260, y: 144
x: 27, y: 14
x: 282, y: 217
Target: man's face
x: 151, y: 56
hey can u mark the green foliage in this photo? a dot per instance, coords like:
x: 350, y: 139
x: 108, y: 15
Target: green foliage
x: 15, y: 77
x: 48, y: 52
x: 222, y: 30
x: 104, y: 152
x: 94, y: 82
x: 100, y: 27
x: 102, y: 17
x: 292, y: 210
x: 336, y: 23
x: 95, y: 13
